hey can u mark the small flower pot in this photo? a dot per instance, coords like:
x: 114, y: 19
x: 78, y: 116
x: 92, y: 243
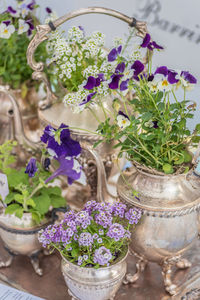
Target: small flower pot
x: 86, y: 283
x: 20, y: 237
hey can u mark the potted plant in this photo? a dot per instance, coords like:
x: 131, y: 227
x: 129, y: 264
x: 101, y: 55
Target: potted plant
x: 93, y: 244
x: 151, y: 128
x: 30, y: 196
x: 17, y: 26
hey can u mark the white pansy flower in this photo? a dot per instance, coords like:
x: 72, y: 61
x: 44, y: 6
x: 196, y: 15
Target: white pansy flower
x: 153, y: 86
x: 6, y: 31
x: 123, y: 121
x: 164, y: 85
x: 23, y: 26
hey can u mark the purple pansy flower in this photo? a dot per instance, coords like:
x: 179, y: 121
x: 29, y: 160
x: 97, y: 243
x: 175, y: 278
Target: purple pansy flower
x: 31, y: 167
x: 7, y: 22
x: 60, y: 142
x: 120, y: 68
x: 138, y: 67
x: 30, y: 23
x: 94, y: 82
x: 148, y: 44
x: 89, y: 98
x: 114, y: 53
x: 124, y: 85
x: 114, y: 84
x: 170, y: 74
x: 65, y: 169
x: 188, y: 77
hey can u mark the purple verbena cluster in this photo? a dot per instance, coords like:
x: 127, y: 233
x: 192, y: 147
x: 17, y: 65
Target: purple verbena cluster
x: 94, y: 236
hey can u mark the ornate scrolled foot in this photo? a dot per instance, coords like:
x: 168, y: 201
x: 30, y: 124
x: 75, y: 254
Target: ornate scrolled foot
x: 167, y: 265
x: 140, y: 266
x: 7, y: 262
x: 183, y: 263
x: 35, y: 263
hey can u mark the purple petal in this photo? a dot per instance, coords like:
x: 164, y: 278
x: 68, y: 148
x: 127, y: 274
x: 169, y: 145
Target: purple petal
x: 48, y: 10
x: 114, y: 84
x: 122, y: 114
x: 31, y: 5
x: 65, y: 169
x: 29, y: 32
x: 31, y: 26
x: 81, y: 28
x: 155, y: 124
x: 113, y: 54
x: 120, y: 68
x: 31, y: 167
x: 7, y: 22
x: 138, y: 67
x: 11, y: 10
x: 146, y: 41
x: 119, y: 49
x: 188, y: 77
x: 172, y: 77
x: 150, y: 46
x: 156, y: 46
x: 91, y: 83
x: 150, y: 77
x: 162, y: 70
x: 89, y: 97
x: 47, y: 133
x: 124, y: 85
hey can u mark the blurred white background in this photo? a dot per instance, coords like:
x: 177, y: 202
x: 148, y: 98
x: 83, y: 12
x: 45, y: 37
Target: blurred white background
x: 175, y: 24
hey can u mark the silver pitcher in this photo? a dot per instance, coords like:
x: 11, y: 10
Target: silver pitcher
x: 169, y: 225
x: 93, y: 284
x: 20, y: 237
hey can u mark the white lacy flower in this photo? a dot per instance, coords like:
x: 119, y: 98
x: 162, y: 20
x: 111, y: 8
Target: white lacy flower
x: 118, y: 41
x: 123, y: 121
x: 99, y: 38
x: 23, y: 26
x: 6, y: 31
x: 75, y: 34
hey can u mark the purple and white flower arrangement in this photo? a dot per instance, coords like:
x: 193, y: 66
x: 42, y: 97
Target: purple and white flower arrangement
x: 17, y: 26
x: 95, y: 236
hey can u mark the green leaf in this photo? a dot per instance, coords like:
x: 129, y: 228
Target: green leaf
x: 74, y: 252
x: 17, y: 177
x: 58, y: 201
x: 53, y: 190
x: 12, y: 208
x: 197, y: 128
x: 19, y: 198
x: 19, y: 212
x: 187, y: 156
x: 97, y: 143
x: 168, y: 169
x: 36, y: 217
x: 30, y: 202
x: 2, y: 70
x: 179, y: 161
x: 42, y: 203
x: 9, y: 198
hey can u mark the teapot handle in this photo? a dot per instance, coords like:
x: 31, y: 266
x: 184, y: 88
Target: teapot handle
x: 43, y: 30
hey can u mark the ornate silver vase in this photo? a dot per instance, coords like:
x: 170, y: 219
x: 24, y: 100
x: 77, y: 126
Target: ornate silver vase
x: 89, y: 283
x: 169, y: 225
x: 20, y: 237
